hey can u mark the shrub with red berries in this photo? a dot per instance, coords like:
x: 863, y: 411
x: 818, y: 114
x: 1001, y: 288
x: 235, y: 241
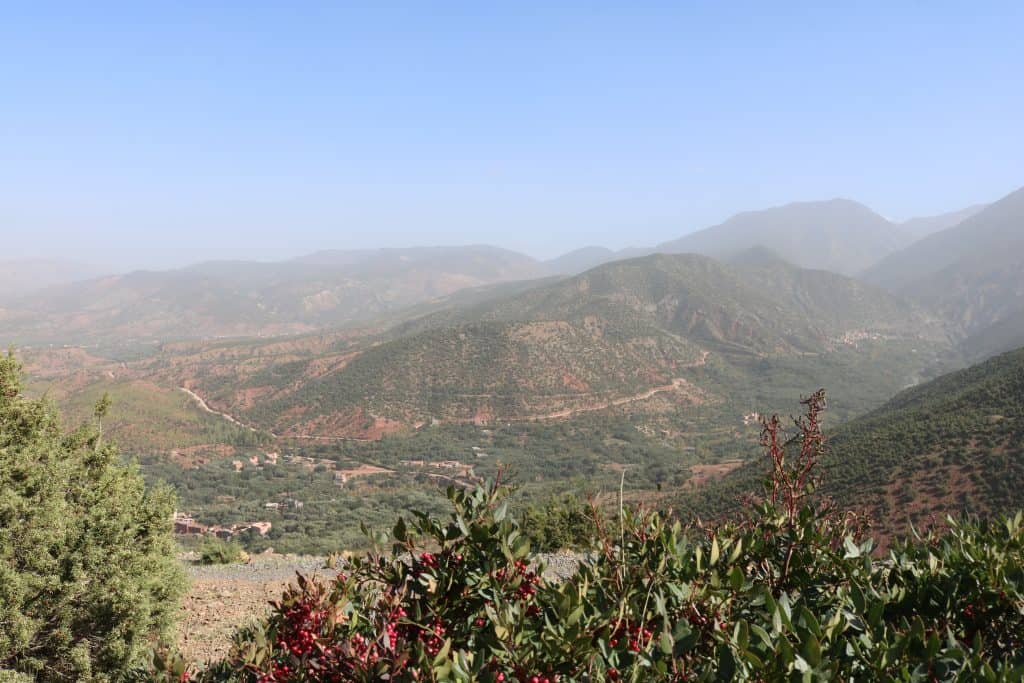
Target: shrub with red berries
x: 794, y: 591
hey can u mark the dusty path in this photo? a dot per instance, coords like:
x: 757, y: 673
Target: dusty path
x: 201, y: 402
x: 316, y: 437
x: 642, y: 396
x: 223, y: 598
x: 230, y: 418
x: 676, y: 383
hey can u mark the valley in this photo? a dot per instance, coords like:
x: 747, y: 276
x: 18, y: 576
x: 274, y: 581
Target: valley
x: 511, y: 343
x: 644, y: 369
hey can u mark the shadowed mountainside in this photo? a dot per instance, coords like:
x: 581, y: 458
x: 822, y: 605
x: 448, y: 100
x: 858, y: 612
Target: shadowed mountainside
x: 953, y: 445
x: 972, y: 273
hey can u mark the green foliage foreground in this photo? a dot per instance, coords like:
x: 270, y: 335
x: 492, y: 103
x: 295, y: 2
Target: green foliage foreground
x: 88, y: 573
x: 792, y: 592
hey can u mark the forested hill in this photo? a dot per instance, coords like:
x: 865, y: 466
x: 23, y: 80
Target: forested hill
x: 952, y: 445
x: 757, y: 302
x: 617, y: 334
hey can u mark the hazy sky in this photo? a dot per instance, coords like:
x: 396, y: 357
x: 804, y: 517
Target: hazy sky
x: 151, y: 133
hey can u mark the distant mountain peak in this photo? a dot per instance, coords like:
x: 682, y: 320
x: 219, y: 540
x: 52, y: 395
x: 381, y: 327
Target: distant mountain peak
x: 836, y: 234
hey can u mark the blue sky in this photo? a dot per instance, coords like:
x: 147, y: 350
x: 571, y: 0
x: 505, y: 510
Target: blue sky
x: 153, y: 134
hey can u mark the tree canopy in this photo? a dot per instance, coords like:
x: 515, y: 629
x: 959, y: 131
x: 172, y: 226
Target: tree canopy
x: 88, y: 574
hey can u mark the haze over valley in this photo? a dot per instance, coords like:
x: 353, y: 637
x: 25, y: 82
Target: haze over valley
x: 522, y: 343
x: 380, y: 358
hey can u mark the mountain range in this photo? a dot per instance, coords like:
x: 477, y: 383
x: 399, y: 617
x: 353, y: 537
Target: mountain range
x: 241, y: 298
x: 345, y: 287
x: 652, y: 361
x: 838, y: 235
x: 617, y: 335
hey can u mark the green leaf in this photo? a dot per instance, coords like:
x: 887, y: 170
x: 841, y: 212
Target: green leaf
x: 667, y: 643
x: 442, y: 654
x: 726, y: 664
x: 714, y: 552
x: 521, y: 548
x: 810, y: 621
x: 736, y: 578
x: 441, y: 671
x: 811, y: 650
x: 762, y: 635
x: 741, y: 634
x: 737, y: 548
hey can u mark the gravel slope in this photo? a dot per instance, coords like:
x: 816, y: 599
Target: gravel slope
x: 224, y: 597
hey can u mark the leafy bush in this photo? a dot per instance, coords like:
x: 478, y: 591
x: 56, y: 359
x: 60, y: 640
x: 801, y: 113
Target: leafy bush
x: 88, y: 574
x: 562, y: 524
x: 791, y: 592
x: 217, y: 551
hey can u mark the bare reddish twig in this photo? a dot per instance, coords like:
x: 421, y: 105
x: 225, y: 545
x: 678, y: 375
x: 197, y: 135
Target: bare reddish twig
x: 790, y: 482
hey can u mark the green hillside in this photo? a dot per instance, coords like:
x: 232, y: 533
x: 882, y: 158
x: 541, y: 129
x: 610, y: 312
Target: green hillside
x: 950, y: 446
x: 618, y: 334
x: 754, y: 305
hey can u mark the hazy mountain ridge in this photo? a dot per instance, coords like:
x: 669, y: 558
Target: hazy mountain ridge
x: 1003, y: 335
x: 838, y: 235
x: 610, y: 335
x: 580, y: 260
x: 972, y: 273
x: 997, y: 225
x: 690, y: 294
x: 21, y: 277
x: 239, y: 298
x: 342, y: 287
x: 922, y: 226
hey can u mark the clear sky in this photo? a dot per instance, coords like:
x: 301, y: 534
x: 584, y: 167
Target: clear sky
x: 152, y: 133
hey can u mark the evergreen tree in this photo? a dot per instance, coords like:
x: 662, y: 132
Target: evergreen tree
x: 88, y: 575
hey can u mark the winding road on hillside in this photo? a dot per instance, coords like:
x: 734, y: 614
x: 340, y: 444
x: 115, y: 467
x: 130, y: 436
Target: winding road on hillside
x: 201, y: 402
x: 675, y: 384
x: 230, y: 418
